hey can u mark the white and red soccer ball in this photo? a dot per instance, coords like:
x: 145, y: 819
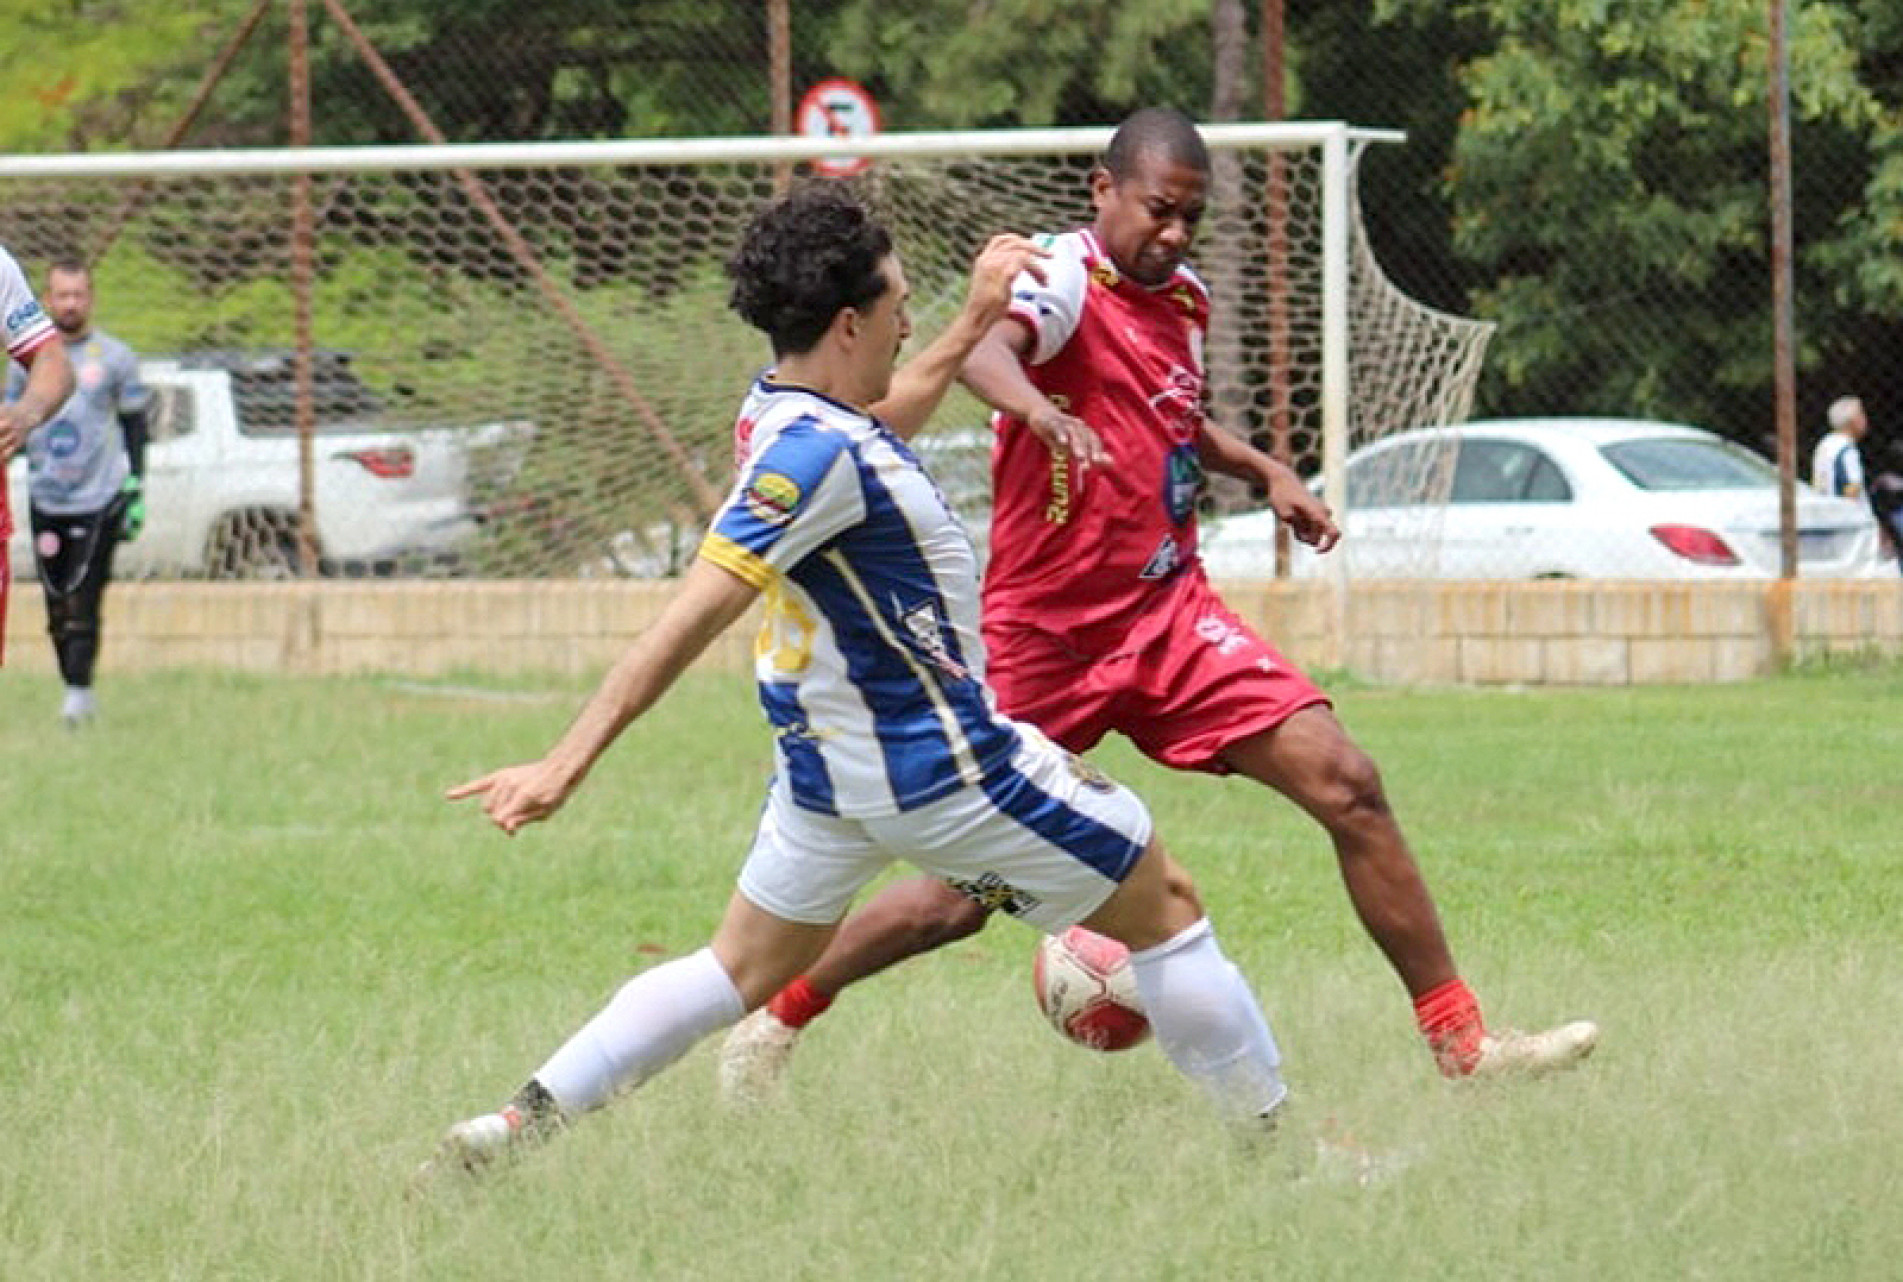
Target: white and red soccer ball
x: 1085, y: 987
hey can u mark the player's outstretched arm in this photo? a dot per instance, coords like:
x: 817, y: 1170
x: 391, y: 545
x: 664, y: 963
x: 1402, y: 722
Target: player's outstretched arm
x: 922, y: 382
x: 1307, y: 516
x: 995, y: 374
x: 49, y: 381
x: 710, y: 598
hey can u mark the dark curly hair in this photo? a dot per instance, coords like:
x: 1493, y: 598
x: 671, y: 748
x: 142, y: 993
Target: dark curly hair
x: 804, y: 258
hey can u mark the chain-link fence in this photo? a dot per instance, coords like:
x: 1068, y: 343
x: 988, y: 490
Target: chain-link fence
x: 1595, y: 191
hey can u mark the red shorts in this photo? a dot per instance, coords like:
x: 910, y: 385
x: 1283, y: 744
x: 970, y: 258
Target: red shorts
x: 1188, y: 680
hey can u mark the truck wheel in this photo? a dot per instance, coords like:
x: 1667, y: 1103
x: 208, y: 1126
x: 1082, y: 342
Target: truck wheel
x: 254, y: 545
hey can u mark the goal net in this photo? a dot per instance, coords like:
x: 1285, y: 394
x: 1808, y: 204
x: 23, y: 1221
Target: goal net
x: 520, y: 358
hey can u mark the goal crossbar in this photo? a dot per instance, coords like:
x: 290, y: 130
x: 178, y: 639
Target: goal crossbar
x: 431, y: 270
x: 1272, y: 136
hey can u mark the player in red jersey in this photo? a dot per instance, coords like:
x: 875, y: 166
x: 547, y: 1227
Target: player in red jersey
x: 29, y: 335
x: 1098, y: 617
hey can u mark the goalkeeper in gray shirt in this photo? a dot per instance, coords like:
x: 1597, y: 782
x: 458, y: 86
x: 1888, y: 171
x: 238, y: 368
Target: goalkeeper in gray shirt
x: 86, y: 476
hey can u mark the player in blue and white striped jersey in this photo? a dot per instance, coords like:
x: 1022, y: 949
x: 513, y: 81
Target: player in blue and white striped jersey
x: 872, y: 675
x: 871, y: 627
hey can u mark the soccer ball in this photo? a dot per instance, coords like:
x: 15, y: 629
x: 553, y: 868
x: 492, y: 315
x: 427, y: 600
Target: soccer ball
x: 1085, y: 987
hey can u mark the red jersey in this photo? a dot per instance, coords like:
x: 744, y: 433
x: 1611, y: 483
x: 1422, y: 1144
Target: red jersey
x: 1081, y: 554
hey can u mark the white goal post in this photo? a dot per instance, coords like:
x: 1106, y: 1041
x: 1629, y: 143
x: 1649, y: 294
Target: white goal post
x: 577, y: 287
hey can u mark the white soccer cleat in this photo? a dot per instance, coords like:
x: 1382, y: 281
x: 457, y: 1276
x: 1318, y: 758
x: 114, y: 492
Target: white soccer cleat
x: 753, y: 1059
x: 1515, y: 1054
x: 79, y: 707
x: 477, y: 1143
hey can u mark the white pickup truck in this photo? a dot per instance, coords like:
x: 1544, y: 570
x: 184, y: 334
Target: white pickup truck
x: 222, y: 476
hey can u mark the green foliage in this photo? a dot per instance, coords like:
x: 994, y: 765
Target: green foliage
x: 1362, y: 63
x: 1609, y: 183
x: 111, y: 74
x: 443, y: 345
x: 84, y: 74
x: 1591, y: 174
x: 952, y: 63
x: 583, y: 483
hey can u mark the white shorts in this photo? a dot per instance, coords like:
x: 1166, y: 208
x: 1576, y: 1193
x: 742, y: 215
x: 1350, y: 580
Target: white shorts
x: 1045, y: 839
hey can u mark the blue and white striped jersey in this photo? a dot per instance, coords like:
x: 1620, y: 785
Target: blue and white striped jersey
x: 869, y: 661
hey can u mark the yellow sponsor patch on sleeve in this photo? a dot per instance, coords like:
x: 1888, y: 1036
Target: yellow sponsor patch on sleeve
x: 772, y: 497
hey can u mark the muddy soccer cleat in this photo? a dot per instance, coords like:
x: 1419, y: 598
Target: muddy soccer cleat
x: 754, y: 1057
x: 477, y: 1144
x: 1515, y: 1054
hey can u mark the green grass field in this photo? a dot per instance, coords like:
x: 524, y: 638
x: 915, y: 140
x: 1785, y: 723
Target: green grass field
x: 252, y: 965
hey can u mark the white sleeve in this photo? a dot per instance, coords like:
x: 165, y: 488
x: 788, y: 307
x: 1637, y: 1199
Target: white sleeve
x: 24, y: 325
x: 801, y: 489
x: 1052, y: 307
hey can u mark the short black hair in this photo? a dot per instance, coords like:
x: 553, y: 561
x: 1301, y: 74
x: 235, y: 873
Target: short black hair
x: 804, y: 258
x: 69, y: 265
x: 1163, y: 130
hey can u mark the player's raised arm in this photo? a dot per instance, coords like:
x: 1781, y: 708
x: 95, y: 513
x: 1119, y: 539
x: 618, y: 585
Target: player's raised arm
x: 710, y: 598
x: 922, y: 382
x: 995, y: 374
x: 1305, y: 515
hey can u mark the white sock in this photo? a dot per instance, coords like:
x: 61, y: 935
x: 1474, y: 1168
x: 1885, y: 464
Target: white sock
x: 654, y: 1020
x: 1208, y: 1023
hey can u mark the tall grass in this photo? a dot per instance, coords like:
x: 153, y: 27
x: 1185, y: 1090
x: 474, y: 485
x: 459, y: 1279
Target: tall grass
x: 251, y: 965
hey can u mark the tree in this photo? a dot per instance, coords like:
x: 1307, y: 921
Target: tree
x: 996, y: 63
x: 117, y: 74
x: 103, y: 72
x: 1609, y: 187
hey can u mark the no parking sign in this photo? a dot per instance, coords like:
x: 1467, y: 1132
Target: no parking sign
x: 837, y: 108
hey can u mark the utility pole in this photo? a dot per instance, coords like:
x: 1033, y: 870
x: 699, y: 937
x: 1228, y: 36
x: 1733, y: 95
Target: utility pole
x: 1778, y: 85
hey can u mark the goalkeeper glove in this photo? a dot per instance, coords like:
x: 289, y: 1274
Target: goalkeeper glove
x: 132, y: 519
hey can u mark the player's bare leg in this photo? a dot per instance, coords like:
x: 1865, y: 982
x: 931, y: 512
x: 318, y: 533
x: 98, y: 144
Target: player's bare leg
x: 1311, y: 759
x: 908, y: 916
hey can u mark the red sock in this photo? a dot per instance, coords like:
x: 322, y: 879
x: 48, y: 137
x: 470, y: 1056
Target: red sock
x: 799, y: 1003
x: 1449, y: 1017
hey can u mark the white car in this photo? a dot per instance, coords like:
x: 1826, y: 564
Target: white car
x: 1563, y: 498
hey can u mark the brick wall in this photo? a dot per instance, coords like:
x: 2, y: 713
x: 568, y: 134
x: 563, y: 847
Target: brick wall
x: 1573, y: 633
x: 1533, y: 633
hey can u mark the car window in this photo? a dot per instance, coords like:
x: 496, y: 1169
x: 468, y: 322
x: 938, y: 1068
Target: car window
x: 1503, y: 472
x: 265, y: 390
x: 1548, y: 484
x: 1406, y: 475
x: 174, y: 414
x: 1684, y: 463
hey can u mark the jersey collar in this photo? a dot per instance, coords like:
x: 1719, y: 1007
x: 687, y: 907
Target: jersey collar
x: 768, y: 385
